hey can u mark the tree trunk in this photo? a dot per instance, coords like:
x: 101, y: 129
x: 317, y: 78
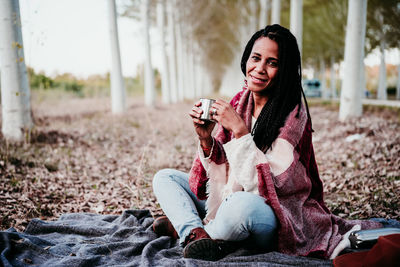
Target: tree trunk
x: 172, y: 56
x: 118, y: 96
x: 333, y: 94
x: 296, y: 21
x: 192, y: 85
x: 253, y: 17
x: 382, y: 72
x: 165, y: 85
x: 276, y: 12
x: 15, y: 91
x: 398, y: 82
x: 322, y: 70
x: 264, y: 9
x: 180, y: 56
x: 149, y: 90
x: 350, y: 98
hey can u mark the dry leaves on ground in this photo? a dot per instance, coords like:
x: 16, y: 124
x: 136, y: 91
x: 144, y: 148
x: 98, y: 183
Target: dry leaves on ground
x: 80, y: 158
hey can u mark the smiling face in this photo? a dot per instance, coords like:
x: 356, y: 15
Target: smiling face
x: 262, y: 65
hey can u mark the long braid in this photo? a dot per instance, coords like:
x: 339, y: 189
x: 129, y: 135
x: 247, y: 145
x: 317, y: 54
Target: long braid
x: 284, y: 93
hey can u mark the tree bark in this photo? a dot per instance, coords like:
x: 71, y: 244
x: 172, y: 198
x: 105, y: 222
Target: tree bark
x: 118, y: 95
x: 264, y: 9
x: 276, y: 12
x: 172, y: 54
x: 398, y: 82
x: 350, y: 98
x: 382, y: 72
x: 296, y: 21
x: 165, y: 84
x: 322, y: 70
x: 180, y: 56
x: 149, y: 89
x: 333, y: 94
x: 15, y: 91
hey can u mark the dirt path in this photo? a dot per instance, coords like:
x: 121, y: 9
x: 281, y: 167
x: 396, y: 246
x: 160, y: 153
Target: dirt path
x: 80, y: 158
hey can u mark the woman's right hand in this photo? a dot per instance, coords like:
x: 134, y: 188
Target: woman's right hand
x: 202, y: 128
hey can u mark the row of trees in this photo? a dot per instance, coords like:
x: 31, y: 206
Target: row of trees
x: 202, y: 42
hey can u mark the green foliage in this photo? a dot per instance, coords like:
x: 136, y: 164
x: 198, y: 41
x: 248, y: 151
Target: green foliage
x: 383, y: 20
x: 40, y: 80
x: 66, y: 82
x: 61, y: 85
x: 323, y: 30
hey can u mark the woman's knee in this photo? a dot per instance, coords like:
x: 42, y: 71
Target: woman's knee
x: 161, y: 177
x: 250, y: 207
x: 165, y: 177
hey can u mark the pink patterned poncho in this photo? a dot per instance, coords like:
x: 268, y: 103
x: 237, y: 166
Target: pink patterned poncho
x: 306, y: 225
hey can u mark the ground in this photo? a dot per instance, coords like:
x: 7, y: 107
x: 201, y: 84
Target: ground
x: 81, y: 158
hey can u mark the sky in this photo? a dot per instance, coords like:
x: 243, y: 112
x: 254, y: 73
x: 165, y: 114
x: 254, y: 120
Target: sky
x: 73, y: 36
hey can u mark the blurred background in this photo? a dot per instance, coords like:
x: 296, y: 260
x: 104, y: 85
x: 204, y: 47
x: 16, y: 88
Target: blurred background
x: 67, y: 44
x: 97, y: 92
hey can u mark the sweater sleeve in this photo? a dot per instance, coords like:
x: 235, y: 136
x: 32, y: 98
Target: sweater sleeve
x: 243, y: 155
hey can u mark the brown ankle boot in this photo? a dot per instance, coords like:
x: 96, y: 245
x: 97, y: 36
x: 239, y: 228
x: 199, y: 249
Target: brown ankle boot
x: 199, y: 245
x: 163, y: 227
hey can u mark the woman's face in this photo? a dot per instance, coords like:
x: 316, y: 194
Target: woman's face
x: 262, y: 65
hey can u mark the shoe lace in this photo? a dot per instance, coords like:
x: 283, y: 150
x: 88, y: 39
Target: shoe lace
x: 189, y: 238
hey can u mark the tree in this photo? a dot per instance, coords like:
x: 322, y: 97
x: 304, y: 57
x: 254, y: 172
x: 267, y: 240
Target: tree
x: 296, y: 21
x: 350, y: 98
x: 264, y: 9
x: 149, y: 89
x: 323, y: 37
x: 276, y: 12
x: 118, y: 95
x: 165, y: 84
x: 383, y: 33
x: 15, y: 91
x: 172, y: 54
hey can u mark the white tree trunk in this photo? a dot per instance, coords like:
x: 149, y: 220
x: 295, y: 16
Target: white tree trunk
x: 192, y: 84
x: 15, y: 91
x: 322, y: 70
x: 350, y: 98
x: 172, y: 54
x: 233, y: 78
x: 165, y: 85
x: 264, y: 9
x: 149, y: 89
x: 296, y: 21
x: 118, y: 95
x: 180, y: 56
x: 333, y: 94
x: 398, y: 82
x: 276, y: 12
x: 253, y: 17
x: 382, y: 72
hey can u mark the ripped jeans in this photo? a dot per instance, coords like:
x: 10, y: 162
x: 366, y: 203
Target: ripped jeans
x: 241, y: 216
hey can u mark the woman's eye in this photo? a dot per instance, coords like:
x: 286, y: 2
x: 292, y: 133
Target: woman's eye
x: 255, y: 58
x: 272, y: 63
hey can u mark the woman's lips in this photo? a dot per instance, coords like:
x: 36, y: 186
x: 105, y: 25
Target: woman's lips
x: 258, y: 80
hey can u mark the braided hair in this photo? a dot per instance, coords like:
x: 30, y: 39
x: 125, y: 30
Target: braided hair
x: 284, y: 92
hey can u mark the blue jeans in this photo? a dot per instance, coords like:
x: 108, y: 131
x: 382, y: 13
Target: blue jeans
x: 241, y: 216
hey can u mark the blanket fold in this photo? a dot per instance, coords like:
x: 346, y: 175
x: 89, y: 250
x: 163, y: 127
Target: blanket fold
x: 83, y: 239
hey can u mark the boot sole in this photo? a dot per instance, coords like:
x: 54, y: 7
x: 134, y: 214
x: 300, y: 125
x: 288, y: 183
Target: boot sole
x: 203, y: 249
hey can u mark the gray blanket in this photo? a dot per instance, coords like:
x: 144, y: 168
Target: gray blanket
x: 83, y: 239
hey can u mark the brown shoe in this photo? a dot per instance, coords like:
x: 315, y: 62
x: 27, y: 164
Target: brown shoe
x: 199, y: 245
x: 163, y: 227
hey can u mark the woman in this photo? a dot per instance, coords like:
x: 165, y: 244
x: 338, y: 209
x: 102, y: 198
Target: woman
x: 256, y: 180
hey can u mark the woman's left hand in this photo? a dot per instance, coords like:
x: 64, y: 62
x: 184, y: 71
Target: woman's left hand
x: 229, y: 118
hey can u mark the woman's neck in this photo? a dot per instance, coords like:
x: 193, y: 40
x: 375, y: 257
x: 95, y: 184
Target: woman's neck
x: 259, y: 102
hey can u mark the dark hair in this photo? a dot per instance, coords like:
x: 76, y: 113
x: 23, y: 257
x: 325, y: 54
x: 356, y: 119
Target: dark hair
x: 285, y: 91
